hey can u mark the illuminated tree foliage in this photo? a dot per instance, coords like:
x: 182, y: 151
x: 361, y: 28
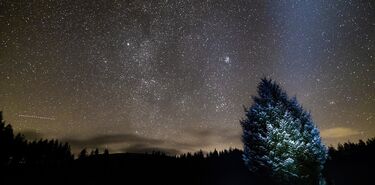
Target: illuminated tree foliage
x: 280, y: 139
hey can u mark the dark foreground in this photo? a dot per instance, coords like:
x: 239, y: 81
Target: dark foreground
x: 344, y: 168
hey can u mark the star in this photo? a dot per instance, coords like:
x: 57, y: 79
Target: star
x: 170, y: 71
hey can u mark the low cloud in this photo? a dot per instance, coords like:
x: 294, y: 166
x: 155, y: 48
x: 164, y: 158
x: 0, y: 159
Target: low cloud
x: 112, y: 139
x: 31, y: 134
x: 216, y: 135
x: 142, y: 148
x: 338, y: 132
x: 135, y: 143
x: 196, y: 139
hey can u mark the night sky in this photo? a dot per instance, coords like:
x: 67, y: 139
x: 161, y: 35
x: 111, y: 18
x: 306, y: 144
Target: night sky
x: 134, y: 76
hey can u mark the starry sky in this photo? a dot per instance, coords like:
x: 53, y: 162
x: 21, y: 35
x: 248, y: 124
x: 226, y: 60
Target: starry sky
x: 174, y: 75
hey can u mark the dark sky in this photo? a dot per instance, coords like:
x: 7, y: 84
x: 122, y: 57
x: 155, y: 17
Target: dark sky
x: 174, y: 75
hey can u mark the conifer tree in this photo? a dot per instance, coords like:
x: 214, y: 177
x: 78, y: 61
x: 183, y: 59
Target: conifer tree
x: 82, y: 154
x: 106, y: 152
x: 280, y: 139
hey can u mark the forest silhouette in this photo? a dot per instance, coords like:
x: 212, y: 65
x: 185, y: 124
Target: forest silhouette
x: 52, y: 162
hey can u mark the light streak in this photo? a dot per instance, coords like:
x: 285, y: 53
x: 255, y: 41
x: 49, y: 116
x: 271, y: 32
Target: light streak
x: 36, y: 117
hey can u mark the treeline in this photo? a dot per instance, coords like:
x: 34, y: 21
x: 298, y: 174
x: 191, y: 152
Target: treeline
x: 353, y: 151
x: 351, y: 163
x: 16, y: 151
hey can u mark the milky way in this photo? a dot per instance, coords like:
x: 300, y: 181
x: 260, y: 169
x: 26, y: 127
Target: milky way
x: 135, y: 76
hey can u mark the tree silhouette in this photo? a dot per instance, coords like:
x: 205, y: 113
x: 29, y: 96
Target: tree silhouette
x: 82, y: 154
x: 6, y: 141
x: 96, y: 152
x: 106, y: 152
x: 16, y: 150
x: 281, y: 140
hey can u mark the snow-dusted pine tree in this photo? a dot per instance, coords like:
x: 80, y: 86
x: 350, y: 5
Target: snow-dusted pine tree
x: 281, y: 142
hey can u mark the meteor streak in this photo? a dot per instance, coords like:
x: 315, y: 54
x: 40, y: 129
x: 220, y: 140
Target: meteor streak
x: 36, y: 117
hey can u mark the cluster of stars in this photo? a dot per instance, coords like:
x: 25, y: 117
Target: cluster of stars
x: 171, y: 70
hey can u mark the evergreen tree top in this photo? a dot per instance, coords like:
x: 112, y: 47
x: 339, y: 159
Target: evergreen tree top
x: 270, y: 92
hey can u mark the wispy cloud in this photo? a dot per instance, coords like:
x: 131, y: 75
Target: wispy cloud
x: 134, y: 143
x: 144, y: 148
x: 196, y: 139
x: 111, y: 139
x: 338, y: 132
x: 31, y: 134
